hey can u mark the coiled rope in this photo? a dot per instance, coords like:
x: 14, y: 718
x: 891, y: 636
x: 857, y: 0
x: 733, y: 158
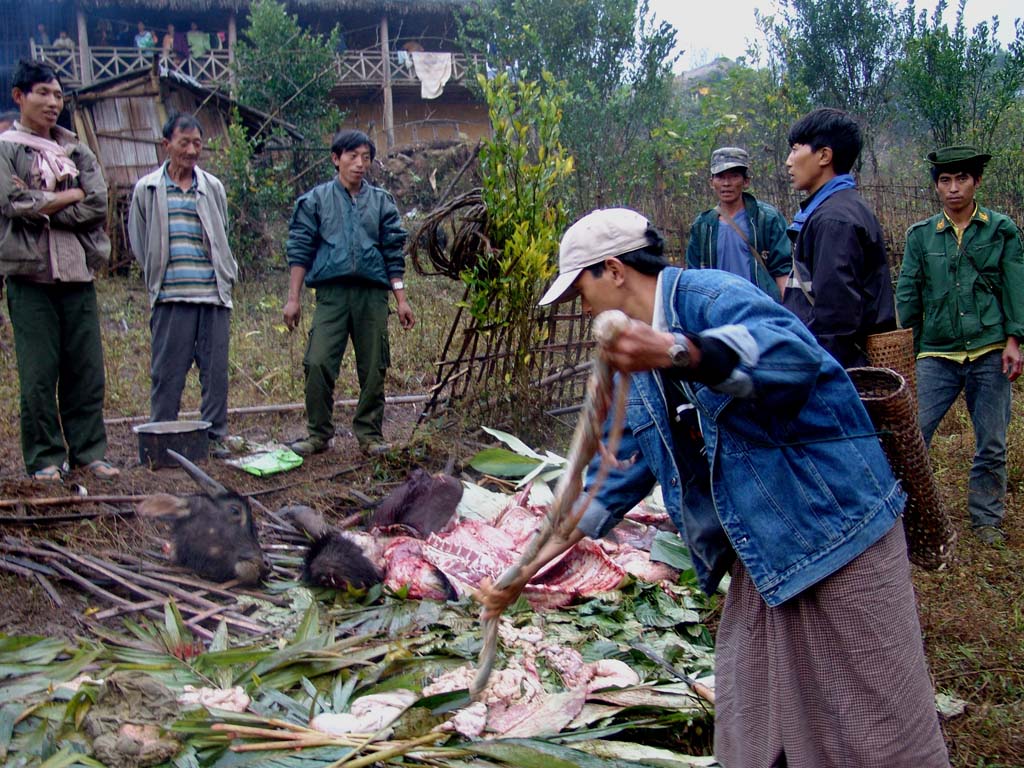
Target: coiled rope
x: 563, y: 515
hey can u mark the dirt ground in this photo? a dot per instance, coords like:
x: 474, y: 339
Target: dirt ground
x: 339, y: 483
x: 972, y: 614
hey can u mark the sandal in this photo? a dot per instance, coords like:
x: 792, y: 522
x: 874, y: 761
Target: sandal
x: 50, y: 474
x: 104, y: 470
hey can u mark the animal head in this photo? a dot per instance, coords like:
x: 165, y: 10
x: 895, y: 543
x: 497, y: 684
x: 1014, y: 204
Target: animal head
x: 424, y: 503
x: 213, y: 532
x: 332, y: 559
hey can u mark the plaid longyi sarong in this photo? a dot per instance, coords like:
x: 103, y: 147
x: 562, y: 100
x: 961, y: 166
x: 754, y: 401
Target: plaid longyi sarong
x: 834, y: 677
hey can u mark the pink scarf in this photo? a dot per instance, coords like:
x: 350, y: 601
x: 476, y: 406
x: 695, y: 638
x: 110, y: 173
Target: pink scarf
x: 51, y: 164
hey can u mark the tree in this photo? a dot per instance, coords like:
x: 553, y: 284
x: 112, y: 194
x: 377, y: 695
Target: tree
x: 845, y: 53
x: 258, y: 194
x: 961, y: 85
x: 615, y: 63
x: 287, y: 71
x: 740, y: 105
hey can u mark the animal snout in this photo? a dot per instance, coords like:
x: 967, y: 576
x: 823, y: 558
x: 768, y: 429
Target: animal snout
x: 252, y: 570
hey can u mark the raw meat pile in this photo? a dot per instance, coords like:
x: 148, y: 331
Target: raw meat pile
x: 452, y: 561
x: 514, y: 703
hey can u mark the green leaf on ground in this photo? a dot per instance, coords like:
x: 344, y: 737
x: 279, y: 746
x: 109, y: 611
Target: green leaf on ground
x: 503, y: 463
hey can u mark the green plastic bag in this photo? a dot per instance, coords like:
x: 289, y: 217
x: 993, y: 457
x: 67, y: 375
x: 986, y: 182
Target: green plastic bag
x: 269, y: 463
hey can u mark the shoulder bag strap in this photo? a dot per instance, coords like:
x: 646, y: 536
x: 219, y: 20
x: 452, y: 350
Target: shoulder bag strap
x: 743, y: 236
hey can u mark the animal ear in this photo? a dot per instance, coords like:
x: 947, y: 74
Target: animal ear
x: 163, y: 505
x: 306, y: 519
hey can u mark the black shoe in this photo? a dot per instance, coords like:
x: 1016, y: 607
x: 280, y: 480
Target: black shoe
x: 309, y: 446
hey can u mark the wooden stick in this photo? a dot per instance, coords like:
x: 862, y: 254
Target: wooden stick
x: 49, y: 589
x: 128, y: 578
x: 67, y: 501
x: 400, y: 748
x: 110, y: 613
x: 263, y: 746
x: 204, y: 615
x: 280, y: 408
x: 272, y: 733
x: 89, y: 586
x: 285, y: 724
x: 31, y: 566
x: 21, y: 570
x: 282, y: 735
x: 177, y: 575
x: 465, y: 167
x: 562, y: 516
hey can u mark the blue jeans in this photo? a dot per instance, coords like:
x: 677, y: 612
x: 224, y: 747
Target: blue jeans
x: 987, y: 392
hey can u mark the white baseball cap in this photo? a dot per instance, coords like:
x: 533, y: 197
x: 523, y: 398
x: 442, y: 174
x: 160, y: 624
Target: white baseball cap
x: 599, y: 235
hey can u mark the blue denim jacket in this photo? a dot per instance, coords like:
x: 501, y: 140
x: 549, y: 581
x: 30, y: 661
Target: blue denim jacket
x: 793, y: 480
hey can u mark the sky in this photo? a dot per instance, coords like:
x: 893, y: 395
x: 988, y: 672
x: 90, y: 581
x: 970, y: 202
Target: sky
x: 705, y: 32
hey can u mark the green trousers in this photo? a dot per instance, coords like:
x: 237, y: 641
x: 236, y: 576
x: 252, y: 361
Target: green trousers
x: 344, y: 311
x: 60, y: 372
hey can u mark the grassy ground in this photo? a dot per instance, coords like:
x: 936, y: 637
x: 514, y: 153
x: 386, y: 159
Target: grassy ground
x: 265, y: 359
x: 972, y: 614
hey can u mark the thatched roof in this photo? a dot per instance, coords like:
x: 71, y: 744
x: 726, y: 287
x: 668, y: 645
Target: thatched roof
x: 390, y: 6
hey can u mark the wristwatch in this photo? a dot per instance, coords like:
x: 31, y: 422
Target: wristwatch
x: 679, y: 352
x: 398, y: 285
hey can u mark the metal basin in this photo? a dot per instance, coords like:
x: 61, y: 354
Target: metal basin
x: 189, y: 438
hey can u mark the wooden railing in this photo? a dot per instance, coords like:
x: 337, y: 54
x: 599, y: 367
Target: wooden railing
x: 364, y: 68
x: 211, y: 69
x: 367, y: 68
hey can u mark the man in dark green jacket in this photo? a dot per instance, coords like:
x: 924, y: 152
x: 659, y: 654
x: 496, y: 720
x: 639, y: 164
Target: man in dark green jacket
x: 345, y: 241
x: 741, y: 234
x: 961, y: 288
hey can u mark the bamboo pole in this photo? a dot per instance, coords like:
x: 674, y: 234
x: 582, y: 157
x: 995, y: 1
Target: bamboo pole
x: 389, y: 105
x: 133, y: 581
x: 84, y: 50
x: 65, y: 501
x: 278, y: 408
x: 232, y: 42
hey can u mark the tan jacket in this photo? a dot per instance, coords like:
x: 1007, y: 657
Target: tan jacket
x: 150, y: 239
x: 24, y: 232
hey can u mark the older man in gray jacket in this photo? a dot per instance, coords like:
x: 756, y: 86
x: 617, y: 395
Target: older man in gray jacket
x: 177, y: 226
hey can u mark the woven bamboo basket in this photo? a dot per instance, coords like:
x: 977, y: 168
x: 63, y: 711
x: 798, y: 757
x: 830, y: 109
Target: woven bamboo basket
x: 931, y: 536
x: 895, y: 350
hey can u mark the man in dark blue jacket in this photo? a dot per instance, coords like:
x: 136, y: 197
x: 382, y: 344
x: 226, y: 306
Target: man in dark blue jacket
x: 345, y: 241
x: 840, y: 285
x: 772, y: 470
x: 741, y: 234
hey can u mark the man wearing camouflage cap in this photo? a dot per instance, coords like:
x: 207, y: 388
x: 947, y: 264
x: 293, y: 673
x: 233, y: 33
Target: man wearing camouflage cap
x: 741, y: 234
x: 961, y: 288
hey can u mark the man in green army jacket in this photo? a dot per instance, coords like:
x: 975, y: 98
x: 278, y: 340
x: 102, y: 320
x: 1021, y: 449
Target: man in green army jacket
x: 961, y: 289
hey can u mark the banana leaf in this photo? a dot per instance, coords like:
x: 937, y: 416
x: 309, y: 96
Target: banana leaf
x: 503, y: 463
